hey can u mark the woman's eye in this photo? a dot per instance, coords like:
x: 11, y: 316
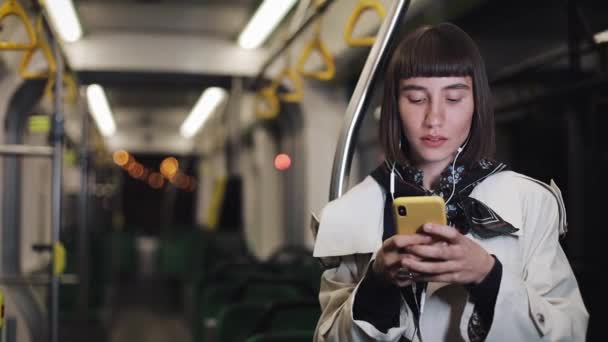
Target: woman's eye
x: 454, y: 100
x: 416, y: 100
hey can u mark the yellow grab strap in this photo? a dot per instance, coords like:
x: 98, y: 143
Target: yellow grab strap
x: 297, y: 93
x: 70, y: 86
x: 12, y: 7
x: 362, y: 6
x: 330, y: 67
x: 46, y: 51
x: 217, y: 198
x: 59, y: 256
x: 267, y: 104
x: 316, y: 44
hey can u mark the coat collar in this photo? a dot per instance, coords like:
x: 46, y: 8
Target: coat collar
x: 353, y: 224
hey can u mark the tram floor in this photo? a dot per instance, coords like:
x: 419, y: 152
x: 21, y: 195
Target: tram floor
x: 147, y: 310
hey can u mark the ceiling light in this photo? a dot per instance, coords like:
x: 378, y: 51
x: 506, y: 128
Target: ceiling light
x: 64, y: 19
x: 264, y: 21
x: 100, y: 110
x: 211, y: 99
x: 601, y: 37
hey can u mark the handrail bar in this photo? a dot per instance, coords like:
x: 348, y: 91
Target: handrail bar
x: 361, y: 98
x: 26, y: 150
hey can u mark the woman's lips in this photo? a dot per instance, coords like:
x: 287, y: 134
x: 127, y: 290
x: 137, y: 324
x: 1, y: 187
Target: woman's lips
x: 433, y: 141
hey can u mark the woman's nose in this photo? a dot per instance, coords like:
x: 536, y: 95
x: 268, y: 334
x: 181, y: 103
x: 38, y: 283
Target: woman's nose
x: 435, y: 115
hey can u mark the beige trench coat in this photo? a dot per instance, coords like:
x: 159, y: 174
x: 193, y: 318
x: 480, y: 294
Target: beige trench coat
x: 538, y: 298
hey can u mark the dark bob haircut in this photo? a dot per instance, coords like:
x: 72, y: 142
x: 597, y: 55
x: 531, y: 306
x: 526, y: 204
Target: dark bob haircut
x: 443, y: 50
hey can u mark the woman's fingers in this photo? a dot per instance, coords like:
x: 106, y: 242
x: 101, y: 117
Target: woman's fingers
x: 441, y: 278
x: 438, y: 251
x: 445, y: 232
x: 402, y: 242
x: 429, y: 267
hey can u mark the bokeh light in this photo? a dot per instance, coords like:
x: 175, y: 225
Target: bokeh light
x: 121, y: 158
x: 156, y: 180
x: 169, y: 167
x: 282, y: 162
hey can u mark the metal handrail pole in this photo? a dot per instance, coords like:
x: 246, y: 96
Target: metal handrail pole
x: 56, y: 191
x: 361, y: 98
x: 83, y: 232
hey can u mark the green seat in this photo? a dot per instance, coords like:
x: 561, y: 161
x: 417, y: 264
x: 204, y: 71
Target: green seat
x: 175, y: 256
x: 237, y: 321
x: 120, y: 254
x: 266, y: 292
x: 293, y: 315
x: 221, y: 294
x: 69, y: 293
x: 288, y: 336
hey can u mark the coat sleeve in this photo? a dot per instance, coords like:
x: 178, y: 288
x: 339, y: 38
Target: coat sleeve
x: 338, y: 289
x: 544, y: 302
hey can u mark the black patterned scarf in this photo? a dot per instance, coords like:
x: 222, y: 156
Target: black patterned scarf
x: 463, y: 212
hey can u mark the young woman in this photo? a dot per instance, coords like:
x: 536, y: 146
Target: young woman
x: 496, y: 272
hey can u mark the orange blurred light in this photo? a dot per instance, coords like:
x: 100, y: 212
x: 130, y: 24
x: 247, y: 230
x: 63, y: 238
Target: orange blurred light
x: 192, y: 185
x: 131, y: 166
x: 282, y: 162
x: 145, y: 174
x: 121, y: 158
x: 137, y: 171
x: 176, y: 178
x: 169, y: 167
x: 156, y: 180
x: 185, y: 184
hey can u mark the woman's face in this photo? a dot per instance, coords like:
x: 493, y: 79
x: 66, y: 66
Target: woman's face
x: 436, y: 113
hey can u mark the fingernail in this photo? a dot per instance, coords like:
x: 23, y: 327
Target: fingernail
x: 427, y: 226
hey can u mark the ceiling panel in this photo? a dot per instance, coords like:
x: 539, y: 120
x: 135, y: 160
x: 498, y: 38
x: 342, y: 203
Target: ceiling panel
x: 221, y: 19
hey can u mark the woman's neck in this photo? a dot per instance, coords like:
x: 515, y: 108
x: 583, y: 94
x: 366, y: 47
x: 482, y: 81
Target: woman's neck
x: 432, y: 173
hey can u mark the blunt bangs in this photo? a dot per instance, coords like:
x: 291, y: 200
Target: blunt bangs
x: 433, y: 53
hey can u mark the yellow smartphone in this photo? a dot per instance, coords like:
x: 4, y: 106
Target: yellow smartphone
x: 410, y: 213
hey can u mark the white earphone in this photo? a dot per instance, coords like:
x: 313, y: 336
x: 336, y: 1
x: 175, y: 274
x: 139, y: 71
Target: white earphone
x: 458, y: 152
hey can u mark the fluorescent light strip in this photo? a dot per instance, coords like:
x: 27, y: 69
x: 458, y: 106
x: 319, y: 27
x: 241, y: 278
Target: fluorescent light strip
x: 601, y: 37
x: 264, y: 21
x: 64, y: 19
x: 100, y: 110
x: 211, y: 99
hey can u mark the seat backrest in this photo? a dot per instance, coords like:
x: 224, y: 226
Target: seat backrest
x: 300, y: 315
x: 237, y: 321
x: 289, y: 336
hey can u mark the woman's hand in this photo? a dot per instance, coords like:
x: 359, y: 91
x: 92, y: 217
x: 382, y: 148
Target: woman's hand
x: 390, y: 259
x: 455, y: 259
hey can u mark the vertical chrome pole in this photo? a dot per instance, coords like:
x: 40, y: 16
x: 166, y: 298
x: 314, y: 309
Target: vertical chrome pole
x: 361, y: 98
x: 83, y: 234
x: 58, y: 126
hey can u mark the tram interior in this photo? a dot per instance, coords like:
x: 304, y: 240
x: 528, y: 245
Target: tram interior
x: 157, y: 231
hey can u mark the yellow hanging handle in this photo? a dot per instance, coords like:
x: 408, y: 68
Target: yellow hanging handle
x: 59, y: 259
x: 362, y: 6
x: 70, y: 85
x: 330, y: 67
x: 328, y: 59
x: 297, y: 93
x: 12, y: 7
x: 46, y: 51
x: 267, y: 103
